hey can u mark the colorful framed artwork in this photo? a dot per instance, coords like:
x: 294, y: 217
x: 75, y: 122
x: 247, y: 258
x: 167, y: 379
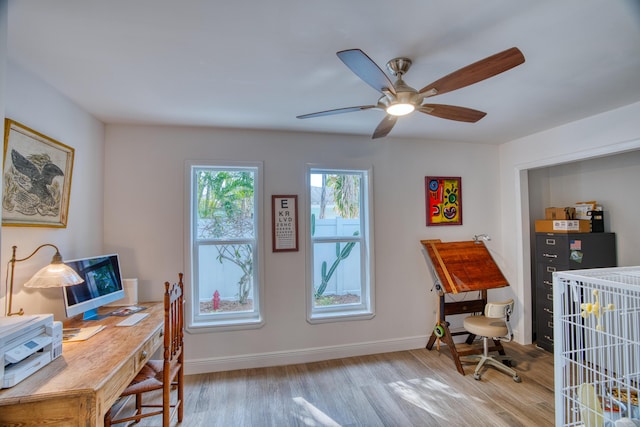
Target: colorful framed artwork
x: 443, y: 200
x: 37, y: 178
x: 284, y: 211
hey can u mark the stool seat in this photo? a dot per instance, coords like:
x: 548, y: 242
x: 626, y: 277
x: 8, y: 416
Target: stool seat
x: 486, y: 326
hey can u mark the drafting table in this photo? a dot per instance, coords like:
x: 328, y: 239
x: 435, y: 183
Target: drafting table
x: 459, y: 267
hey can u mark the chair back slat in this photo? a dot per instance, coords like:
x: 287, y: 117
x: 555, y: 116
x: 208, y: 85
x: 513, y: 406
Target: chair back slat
x: 173, y: 321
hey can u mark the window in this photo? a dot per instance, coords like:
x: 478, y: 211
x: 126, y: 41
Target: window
x: 225, y: 212
x: 339, y: 280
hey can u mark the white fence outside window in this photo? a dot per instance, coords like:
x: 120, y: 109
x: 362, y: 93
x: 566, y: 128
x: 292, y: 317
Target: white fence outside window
x: 223, y: 277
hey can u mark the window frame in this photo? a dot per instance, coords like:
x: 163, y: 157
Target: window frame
x: 366, y: 309
x: 196, y: 322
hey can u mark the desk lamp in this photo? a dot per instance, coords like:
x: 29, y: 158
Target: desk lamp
x: 54, y: 275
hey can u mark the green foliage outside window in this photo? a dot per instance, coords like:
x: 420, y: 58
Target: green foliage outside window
x: 225, y: 212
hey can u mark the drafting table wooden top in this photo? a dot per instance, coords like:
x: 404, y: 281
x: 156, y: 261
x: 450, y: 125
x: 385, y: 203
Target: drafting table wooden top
x: 464, y: 266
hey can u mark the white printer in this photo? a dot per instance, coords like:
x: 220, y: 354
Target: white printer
x: 27, y: 343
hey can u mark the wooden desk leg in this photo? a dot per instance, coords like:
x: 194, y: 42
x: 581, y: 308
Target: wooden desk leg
x: 442, y: 321
x: 432, y: 340
x: 447, y: 338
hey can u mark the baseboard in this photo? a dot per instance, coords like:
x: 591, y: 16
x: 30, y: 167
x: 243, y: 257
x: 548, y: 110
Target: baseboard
x: 304, y: 355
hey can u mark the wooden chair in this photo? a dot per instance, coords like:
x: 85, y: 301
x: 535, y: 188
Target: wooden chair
x: 165, y: 374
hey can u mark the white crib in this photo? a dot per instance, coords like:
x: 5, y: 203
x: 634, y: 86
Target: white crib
x: 596, y: 315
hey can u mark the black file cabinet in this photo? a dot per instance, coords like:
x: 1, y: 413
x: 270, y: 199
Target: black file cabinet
x: 561, y: 252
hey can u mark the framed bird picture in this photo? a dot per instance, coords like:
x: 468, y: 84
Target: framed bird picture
x: 37, y: 178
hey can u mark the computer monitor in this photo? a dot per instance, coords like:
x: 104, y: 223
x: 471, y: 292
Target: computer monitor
x: 102, y: 285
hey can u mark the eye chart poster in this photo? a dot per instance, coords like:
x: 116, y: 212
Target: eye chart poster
x: 285, y: 223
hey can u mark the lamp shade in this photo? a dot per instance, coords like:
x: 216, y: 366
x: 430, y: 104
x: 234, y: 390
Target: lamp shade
x: 54, y: 275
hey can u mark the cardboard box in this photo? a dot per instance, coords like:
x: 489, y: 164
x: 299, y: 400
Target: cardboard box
x: 563, y: 226
x: 582, y: 209
x: 560, y: 213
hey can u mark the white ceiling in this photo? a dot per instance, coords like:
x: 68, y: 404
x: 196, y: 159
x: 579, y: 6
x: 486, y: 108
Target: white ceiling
x: 257, y: 64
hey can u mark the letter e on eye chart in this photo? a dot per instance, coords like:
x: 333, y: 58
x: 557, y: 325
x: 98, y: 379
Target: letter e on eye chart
x: 285, y: 223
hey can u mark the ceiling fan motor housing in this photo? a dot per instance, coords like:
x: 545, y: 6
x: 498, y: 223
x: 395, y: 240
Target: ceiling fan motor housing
x: 399, y: 66
x: 404, y: 95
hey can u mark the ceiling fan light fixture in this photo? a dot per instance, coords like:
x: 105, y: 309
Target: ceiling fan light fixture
x: 400, y: 109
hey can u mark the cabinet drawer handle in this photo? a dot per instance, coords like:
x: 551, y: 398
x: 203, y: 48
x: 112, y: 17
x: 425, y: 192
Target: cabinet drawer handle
x: 550, y: 297
x: 550, y: 241
x: 550, y: 255
x: 550, y: 324
x: 551, y: 269
x: 143, y: 355
x: 548, y: 310
x: 549, y: 338
x: 546, y: 282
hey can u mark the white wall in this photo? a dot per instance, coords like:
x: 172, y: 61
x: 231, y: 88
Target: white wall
x: 144, y: 221
x: 35, y: 104
x: 608, y: 133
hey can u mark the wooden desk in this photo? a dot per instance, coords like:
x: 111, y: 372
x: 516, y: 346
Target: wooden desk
x: 461, y: 267
x: 78, y: 388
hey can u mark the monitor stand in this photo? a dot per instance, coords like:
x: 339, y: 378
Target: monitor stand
x: 93, y: 315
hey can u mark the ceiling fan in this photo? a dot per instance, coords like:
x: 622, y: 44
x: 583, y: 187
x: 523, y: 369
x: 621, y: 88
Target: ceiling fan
x: 399, y: 99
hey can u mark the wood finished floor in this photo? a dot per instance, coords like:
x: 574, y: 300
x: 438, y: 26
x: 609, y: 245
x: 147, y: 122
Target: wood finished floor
x: 403, y: 389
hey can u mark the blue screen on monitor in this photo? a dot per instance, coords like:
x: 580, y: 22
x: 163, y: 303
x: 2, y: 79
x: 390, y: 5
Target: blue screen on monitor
x: 102, y: 285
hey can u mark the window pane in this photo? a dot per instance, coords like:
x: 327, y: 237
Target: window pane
x: 335, y: 196
x: 337, y: 276
x: 225, y: 204
x: 339, y: 283
x: 225, y: 242
x: 225, y: 275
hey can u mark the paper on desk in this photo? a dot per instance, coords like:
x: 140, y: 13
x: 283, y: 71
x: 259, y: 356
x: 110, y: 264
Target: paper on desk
x: 84, y: 333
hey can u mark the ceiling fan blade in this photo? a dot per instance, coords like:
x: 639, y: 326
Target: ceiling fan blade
x: 336, y: 111
x: 478, y: 71
x: 451, y: 112
x: 366, y: 69
x: 385, y: 126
